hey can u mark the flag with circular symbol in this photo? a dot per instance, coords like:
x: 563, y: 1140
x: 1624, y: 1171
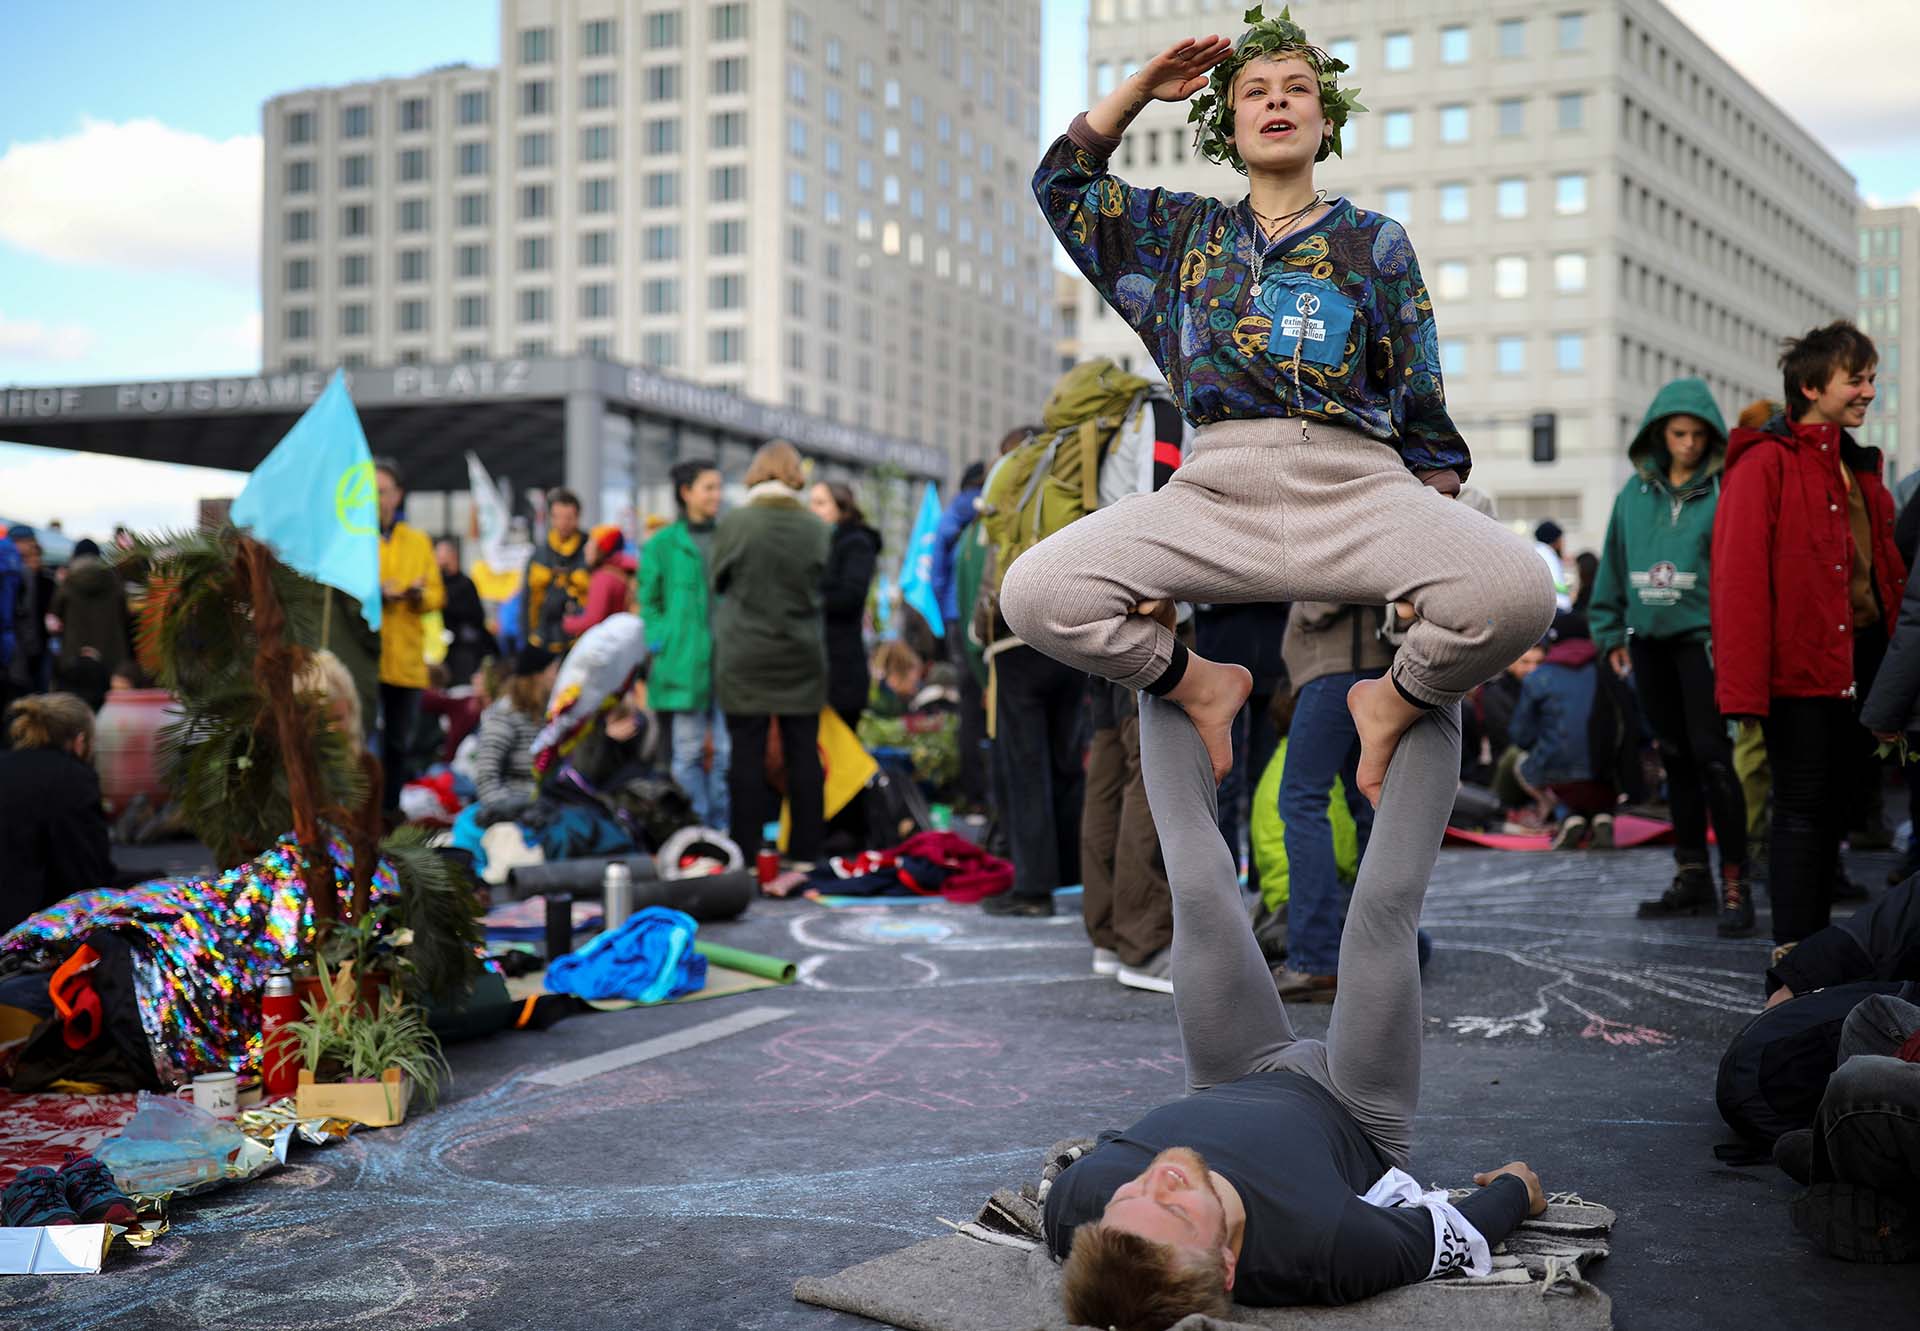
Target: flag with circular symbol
x: 313, y: 500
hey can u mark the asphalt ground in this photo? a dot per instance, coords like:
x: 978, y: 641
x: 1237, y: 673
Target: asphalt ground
x: 930, y: 1053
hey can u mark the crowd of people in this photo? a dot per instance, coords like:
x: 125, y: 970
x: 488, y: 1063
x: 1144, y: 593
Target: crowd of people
x: 1231, y: 651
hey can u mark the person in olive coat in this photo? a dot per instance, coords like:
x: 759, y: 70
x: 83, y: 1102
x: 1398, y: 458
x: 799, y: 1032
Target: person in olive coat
x: 851, y: 559
x: 770, y: 659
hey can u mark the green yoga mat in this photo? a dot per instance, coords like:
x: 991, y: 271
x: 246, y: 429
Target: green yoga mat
x: 753, y: 963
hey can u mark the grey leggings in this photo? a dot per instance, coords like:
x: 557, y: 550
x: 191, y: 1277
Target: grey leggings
x: 1232, y: 1021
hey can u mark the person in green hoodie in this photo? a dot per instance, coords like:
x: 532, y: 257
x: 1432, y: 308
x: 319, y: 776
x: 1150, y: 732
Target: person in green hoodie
x: 673, y: 602
x: 1650, y: 618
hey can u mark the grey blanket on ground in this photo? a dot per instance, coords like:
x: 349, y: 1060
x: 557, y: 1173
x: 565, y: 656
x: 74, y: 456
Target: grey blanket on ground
x: 994, y: 1275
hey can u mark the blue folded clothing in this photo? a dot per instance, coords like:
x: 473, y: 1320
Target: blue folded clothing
x: 649, y: 959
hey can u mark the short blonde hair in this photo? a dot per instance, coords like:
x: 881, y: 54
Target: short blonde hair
x: 325, y: 677
x: 48, y: 721
x: 777, y: 460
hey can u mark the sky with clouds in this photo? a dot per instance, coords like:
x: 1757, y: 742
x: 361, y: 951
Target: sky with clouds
x: 130, y: 166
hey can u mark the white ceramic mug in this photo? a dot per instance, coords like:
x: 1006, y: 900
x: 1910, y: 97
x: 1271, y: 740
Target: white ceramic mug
x: 216, y: 1092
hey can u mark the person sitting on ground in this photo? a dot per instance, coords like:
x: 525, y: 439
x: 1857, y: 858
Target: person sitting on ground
x: 1275, y: 1180
x: 1297, y: 333
x: 53, y: 833
x: 503, y: 759
x: 1553, y: 724
x: 1492, y: 705
x: 325, y: 677
x: 914, y: 683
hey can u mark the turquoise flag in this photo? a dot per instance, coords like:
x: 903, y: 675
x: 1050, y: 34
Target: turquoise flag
x: 916, y: 570
x: 313, y: 500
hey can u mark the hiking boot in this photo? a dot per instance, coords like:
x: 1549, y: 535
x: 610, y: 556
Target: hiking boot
x: 1106, y: 961
x: 1270, y: 932
x: 1300, y: 987
x: 1793, y: 1152
x: 37, y: 1196
x: 1155, y: 974
x: 1736, y: 905
x: 1006, y: 903
x: 1602, y: 832
x: 1691, y: 893
x: 1857, y: 1224
x: 93, y: 1194
x: 1572, y: 834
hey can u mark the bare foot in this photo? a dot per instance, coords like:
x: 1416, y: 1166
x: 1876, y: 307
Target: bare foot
x: 1213, y: 694
x: 1381, y: 716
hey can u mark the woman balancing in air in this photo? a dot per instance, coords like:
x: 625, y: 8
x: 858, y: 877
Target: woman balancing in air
x: 1296, y: 333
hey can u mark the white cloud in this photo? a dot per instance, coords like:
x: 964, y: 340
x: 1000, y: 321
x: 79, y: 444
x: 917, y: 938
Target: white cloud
x: 31, y: 340
x: 137, y: 195
x: 1844, y: 73
x: 89, y: 493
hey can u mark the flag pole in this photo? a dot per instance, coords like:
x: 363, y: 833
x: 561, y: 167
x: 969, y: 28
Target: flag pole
x: 326, y: 618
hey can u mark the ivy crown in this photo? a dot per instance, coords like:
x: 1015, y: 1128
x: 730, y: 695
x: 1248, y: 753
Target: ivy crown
x: 1267, y: 38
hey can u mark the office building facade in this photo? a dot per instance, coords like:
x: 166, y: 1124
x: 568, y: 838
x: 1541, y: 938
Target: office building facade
x: 1889, y: 313
x: 817, y: 204
x: 1599, y: 204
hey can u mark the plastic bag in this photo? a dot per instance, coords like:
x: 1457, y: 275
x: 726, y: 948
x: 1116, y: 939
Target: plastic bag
x: 169, y: 1144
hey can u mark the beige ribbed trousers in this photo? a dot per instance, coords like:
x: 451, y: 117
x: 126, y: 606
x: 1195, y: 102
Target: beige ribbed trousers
x: 1257, y: 513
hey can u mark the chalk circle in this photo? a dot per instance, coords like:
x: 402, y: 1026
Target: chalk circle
x: 891, y: 929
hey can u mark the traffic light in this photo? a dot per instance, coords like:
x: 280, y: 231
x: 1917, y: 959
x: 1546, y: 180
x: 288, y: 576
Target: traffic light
x: 1544, y: 441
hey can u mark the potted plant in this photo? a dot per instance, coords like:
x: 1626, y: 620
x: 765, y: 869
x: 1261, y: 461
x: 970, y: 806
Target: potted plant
x: 360, y: 1064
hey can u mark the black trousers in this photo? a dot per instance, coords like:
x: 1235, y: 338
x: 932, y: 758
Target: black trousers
x: 1675, y: 683
x: 399, y: 706
x: 756, y: 803
x: 974, y: 787
x: 1041, y: 741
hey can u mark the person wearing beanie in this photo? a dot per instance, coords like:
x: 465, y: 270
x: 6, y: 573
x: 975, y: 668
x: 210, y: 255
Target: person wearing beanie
x: 503, y: 747
x: 609, y: 582
x: 95, y: 629
x: 31, y: 667
x: 1550, y: 543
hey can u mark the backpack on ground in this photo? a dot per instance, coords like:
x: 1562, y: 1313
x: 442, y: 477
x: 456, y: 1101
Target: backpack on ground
x: 1052, y: 479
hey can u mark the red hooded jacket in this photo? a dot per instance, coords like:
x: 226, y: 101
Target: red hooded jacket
x: 1783, y: 562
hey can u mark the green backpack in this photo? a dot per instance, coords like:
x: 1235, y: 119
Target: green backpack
x: 1052, y: 479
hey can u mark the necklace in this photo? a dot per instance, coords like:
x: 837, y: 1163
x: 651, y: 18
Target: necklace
x: 1279, y: 229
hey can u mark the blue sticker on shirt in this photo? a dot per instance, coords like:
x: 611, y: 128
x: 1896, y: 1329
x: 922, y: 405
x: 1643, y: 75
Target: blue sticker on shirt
x: 1307, y: 314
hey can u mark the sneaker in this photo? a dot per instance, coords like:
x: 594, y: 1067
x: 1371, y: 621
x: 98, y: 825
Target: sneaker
x: 1793, y: 1152
x: 1270, y: 931
x: 1154, y: 974
x: 1857, y: 1224
x: 1106, y: 961
x: 37, y: 1196
x: 93, y: 1194
x: 1299, y: 987
x: 1008, y: 904
x: 1571, y: 835
x: 1691, y: 893
x: 1602, y: 832
x: 1736, y: 905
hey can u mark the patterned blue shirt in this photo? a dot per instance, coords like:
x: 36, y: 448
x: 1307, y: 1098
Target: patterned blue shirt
x: 1341, y: 328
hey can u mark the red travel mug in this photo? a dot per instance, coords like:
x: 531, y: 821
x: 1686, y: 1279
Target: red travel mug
x: 767, y: 866
x: 279, y: 1054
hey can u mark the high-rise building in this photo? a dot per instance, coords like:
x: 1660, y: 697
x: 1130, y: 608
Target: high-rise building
x: 818, y: 204
x: 1889, y: 298
x: 1598, y: 201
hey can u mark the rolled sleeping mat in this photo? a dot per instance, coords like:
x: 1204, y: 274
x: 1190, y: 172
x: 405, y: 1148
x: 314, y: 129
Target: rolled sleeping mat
x: 720, y: 896
x: 581, y: 877
x: 753, y: 963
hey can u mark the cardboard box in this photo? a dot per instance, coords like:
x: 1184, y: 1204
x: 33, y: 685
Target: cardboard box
x: 377, y: 1104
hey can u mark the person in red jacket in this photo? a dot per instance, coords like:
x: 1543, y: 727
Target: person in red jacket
x: 1805, y: 576
x: 610, y: 586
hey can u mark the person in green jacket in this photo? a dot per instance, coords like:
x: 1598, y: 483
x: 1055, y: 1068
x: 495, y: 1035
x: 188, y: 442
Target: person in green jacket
x: 1649, y: 617
x: 770, y: 653
x: 674, y: 607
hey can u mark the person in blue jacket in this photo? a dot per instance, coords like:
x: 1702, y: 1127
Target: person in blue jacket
x: 1551, y: 725
x: 973, y: 708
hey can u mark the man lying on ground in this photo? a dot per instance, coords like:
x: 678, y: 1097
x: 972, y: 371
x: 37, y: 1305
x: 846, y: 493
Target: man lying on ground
x: 1278, y: 1179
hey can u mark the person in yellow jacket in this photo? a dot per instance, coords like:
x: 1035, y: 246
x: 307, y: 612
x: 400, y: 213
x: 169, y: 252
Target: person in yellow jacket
x: 410, y: 588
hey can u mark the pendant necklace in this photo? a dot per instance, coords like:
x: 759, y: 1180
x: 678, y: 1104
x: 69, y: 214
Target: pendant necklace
x: 1279, y: 224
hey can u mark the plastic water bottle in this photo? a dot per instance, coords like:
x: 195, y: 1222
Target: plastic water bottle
x: 616, y: 896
